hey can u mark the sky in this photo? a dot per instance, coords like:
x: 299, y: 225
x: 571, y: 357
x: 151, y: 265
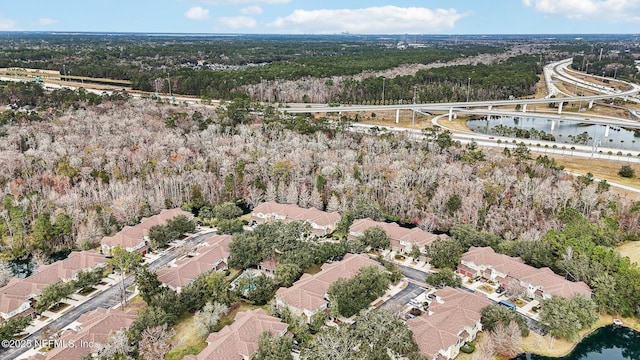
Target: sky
x: 325, y: 16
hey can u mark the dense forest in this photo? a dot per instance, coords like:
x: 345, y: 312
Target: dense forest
x: 320, y: 69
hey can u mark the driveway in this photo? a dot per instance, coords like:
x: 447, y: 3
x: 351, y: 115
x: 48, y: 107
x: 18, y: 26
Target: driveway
x: 402, y: 298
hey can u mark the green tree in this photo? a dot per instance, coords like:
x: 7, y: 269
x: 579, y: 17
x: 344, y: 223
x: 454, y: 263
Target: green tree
x: 42, y: 232
x: 272, y: 347
x: 52, y: 294
x: 124, y: 261
x: 565, y: 317
x: 63, y: 228
x: 287, y: 273
x: 148, y: 283
x: 444, y: 277
x: 350, y: 296
x: 88, y: 279
x: 226, y: 211
x: 259, y: 289
x: 160, y: 236
x: 376, y: 238
x: 445, y: 253
x: 454, y: 203
x: 212, y: 286
x: 521, y: 152
x: 626, y: 171
x: 13, y: 326
x: 229, y: 226
x: 342, y: 229
x: 181, y: 225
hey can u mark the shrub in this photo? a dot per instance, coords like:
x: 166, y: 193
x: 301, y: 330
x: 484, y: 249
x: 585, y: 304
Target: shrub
x: 626, y: 171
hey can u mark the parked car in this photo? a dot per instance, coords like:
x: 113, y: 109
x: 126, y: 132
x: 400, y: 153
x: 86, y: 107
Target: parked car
x: 409, y: 316
x: 431, y: 296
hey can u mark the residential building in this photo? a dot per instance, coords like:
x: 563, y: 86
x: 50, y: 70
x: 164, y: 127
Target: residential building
x: 136, y: 238
x: 453, y: 319
x: 212, y: 254
x: 507, y: 271
x: 322, y: 222
x: 402, y: 239
x: 308, y: 296
x: 240, y: 339
x: 88, y: 334
x: 18, y: 295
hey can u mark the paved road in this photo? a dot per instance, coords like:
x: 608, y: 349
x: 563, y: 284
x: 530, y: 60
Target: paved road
x: 402, y: 298
x: 105, y: 300
x: 413, y: 274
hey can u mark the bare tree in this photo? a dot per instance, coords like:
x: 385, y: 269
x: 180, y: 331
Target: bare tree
x: 507, y: 339
x: 206, y: 319
x: 5, y: 273
x: 154, y: 342
x: 118, y: 344
x: 485, y: 349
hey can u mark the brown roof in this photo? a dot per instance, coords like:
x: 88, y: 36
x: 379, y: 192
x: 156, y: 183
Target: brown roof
x: 130, y: 236
x: 240, y: 339
x: 309, y: 291
x: 95, y: 327
x: 455, y: 310
x: 213, y: 250
x: 550, y: 282
x: 269, y: 264
x: 294, y: 212
x: 395, y: 232
x: 17, y: 291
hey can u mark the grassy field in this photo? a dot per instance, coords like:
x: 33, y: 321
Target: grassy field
x: 602, y: 169
x: 186, y: 341
x: 630, y: 249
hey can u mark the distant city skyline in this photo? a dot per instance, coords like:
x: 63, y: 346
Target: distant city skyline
x: 325, y: 17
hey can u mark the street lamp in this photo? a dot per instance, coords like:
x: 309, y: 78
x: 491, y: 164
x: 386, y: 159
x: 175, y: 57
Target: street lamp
x: 468, y: 87
x: 383, y: 80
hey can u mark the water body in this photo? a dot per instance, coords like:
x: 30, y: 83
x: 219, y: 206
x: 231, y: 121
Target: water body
x: 607, y: 343
x: 618, y: 138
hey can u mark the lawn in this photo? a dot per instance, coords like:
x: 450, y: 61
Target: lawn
x: 186, y: 341
x: 632, y: 250
x: 486, y: 288
x: 135, y: 304
x: 313, y: 269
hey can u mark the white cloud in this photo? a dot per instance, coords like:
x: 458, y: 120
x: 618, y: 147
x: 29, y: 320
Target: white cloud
x: 197, y: 13
x: 609, y: 10
x: 237, y: 22
x: 373, y: 20
x: 251, y: 10
x: 47, y: 21
x: 7, y: 24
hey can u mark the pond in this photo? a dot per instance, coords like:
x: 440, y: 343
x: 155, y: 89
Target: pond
x: 568, y: 132
x: 607, y: 343
x: 24, y: 267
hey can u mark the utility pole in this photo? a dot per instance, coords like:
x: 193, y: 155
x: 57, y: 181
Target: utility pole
x: 383, y: 80
x: 468, y: 87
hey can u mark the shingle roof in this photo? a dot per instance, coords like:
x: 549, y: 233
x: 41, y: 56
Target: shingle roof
x: 395, y: 232
x: 240, y: 339
x: 210, y: 252
x: 95, y: 328
x: 294, y: 212
x: 456, y: 310
x: 17, y: 291
x: 550, y: 282
x: 308, y: 292
x: 130, y: 236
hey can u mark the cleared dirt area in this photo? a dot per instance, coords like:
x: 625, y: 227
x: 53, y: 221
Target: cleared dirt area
x: 632, y: 250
